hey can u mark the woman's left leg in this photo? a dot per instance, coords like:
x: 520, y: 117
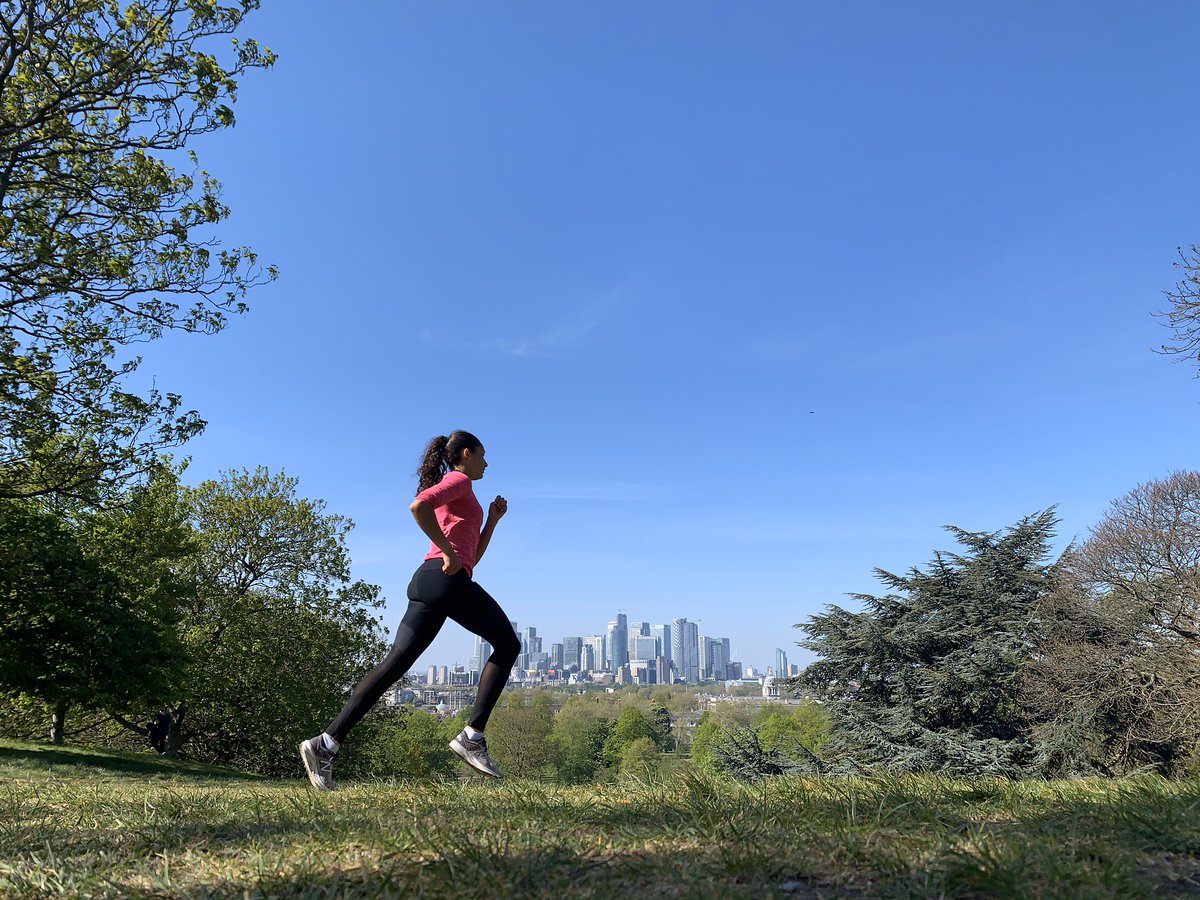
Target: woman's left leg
x: 476, y: 611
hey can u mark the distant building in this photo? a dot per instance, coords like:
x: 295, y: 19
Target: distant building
x: 618, y: 642
x: 662, y: 634
x: 662, y: 670
x: 685, y: 638
x: 571, y: 653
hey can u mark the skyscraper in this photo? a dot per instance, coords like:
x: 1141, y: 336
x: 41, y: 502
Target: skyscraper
x: 596, y: 642
x: 685, y: 639
x: 781, y: 666
x: 643, y: 647
x: 718, y: 658
x: 571, y: 648
x: 704, y: 660
x: 618, y: 642
x: 662, y: 633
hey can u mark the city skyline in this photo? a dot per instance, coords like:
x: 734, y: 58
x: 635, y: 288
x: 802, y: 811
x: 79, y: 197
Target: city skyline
x: 641, y: 652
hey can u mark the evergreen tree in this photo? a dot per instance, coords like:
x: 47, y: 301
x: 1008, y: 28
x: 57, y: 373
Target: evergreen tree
x: 927, y: 677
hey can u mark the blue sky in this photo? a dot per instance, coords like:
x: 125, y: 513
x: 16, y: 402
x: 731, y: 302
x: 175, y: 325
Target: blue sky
x: 744, y: 299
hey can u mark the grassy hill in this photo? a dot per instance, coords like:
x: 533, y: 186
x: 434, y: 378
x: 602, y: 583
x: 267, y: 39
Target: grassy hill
x: 83, y: 823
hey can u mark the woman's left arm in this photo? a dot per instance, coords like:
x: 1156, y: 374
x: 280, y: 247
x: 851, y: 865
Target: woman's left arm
x: 496, y: 509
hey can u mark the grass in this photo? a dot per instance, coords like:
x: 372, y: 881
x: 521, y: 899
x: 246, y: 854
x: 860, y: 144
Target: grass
x: 93, y: 824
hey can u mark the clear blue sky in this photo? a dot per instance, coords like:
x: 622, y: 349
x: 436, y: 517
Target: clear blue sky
x: 744, y: 299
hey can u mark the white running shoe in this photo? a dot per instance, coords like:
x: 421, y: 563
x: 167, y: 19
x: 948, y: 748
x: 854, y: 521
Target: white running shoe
x: 475, y: 754
x: 318, y: 762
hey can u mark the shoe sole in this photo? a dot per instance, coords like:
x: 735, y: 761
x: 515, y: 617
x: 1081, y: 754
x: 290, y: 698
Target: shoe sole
x: 310, y: 766
x: 462, y: 753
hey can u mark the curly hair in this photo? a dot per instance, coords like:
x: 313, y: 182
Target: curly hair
x: 441, y: 455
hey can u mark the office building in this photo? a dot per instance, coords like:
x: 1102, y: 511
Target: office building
x: 571, y: 650
x: 662, y: 634
x: 618, y: 642
x: 599, y: 655
x: 685, y: 639
x: 643, y: 647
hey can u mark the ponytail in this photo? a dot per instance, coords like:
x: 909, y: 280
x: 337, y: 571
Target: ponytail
x: 441, y: 455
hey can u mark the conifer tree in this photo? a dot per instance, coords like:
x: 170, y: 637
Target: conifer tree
x: 927, y: 677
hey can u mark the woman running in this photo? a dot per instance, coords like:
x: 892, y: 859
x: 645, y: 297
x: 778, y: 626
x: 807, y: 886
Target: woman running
x: 442, y: 588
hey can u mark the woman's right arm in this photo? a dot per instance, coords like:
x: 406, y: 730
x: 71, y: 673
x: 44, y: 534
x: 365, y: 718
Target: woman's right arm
x: 427, y: 521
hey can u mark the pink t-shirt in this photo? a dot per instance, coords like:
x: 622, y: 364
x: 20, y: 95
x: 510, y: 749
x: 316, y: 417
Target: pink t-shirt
x: 459, y: 515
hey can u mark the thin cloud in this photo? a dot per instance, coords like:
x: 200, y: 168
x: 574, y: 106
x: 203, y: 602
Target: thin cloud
x: 548, y: 343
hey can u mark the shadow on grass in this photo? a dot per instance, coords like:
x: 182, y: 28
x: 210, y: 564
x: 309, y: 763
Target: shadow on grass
x: 715, y: 871
x: 39, y: 757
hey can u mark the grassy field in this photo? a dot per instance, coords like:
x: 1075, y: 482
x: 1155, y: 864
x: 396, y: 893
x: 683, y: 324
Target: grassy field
x: 88, y: 824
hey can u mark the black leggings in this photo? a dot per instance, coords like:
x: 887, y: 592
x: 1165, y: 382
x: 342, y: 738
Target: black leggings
x: 433, y: 597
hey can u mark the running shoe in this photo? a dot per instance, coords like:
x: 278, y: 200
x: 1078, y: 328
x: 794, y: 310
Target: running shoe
x: 475, y: 755
x: 318, y: 762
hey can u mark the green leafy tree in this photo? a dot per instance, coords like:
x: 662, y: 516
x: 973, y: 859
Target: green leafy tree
x: 784, y: 728
x: 69, y: 631
x: 397, y: 743
x: 640, y: 760
x: 276, y: 630
x: 664, y: 736
x: 928, y: 677
x: 104, y: 240
x: 709, y: 731
x: 631, y: 724
x: 577, y: 739
x: 518, y: 735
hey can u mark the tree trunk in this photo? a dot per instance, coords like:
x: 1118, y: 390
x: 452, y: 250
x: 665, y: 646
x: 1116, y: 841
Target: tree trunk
x: 58, y: 716
x: 175, y: 736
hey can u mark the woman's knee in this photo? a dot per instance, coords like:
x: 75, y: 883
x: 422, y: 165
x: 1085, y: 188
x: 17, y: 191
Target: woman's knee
x: 507, y: 648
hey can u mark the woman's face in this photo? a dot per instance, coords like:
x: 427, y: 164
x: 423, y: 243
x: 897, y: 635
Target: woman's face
x: 473, y: 463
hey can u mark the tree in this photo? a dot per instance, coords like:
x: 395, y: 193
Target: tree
x: 641, y: 759
x: 708, y: 733
x: 1184, y: 315
x: 69, y: 632
x: 785, y: 728
x: 1116, y: 685
x: 631, y: 724
x: 275, y: 628
x: 927, y: 678
x: 397, y: 743
x: 577, y: 740
x: 518, y: 735
x: 103, y: 242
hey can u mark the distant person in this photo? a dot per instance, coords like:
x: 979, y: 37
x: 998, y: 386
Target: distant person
x: 158, y: 729
x: 441, y: 588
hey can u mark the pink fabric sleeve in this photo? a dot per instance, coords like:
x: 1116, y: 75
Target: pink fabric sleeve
x: 451, y: 487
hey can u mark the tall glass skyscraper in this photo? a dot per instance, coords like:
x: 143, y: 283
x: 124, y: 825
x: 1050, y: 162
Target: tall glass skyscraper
x: 571, y: 648
x: 685, y: 642
x: 618, y: 642
x: 781, y: 668
x: 662, y: 634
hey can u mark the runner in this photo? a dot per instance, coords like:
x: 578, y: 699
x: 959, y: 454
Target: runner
x: 442, y: 587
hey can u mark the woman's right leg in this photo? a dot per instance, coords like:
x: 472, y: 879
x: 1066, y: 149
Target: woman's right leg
x: 422, y: 621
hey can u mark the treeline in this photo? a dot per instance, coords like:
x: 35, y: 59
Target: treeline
x: 997, y: 660
x: 227, y: 609
x: 584, y: 738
